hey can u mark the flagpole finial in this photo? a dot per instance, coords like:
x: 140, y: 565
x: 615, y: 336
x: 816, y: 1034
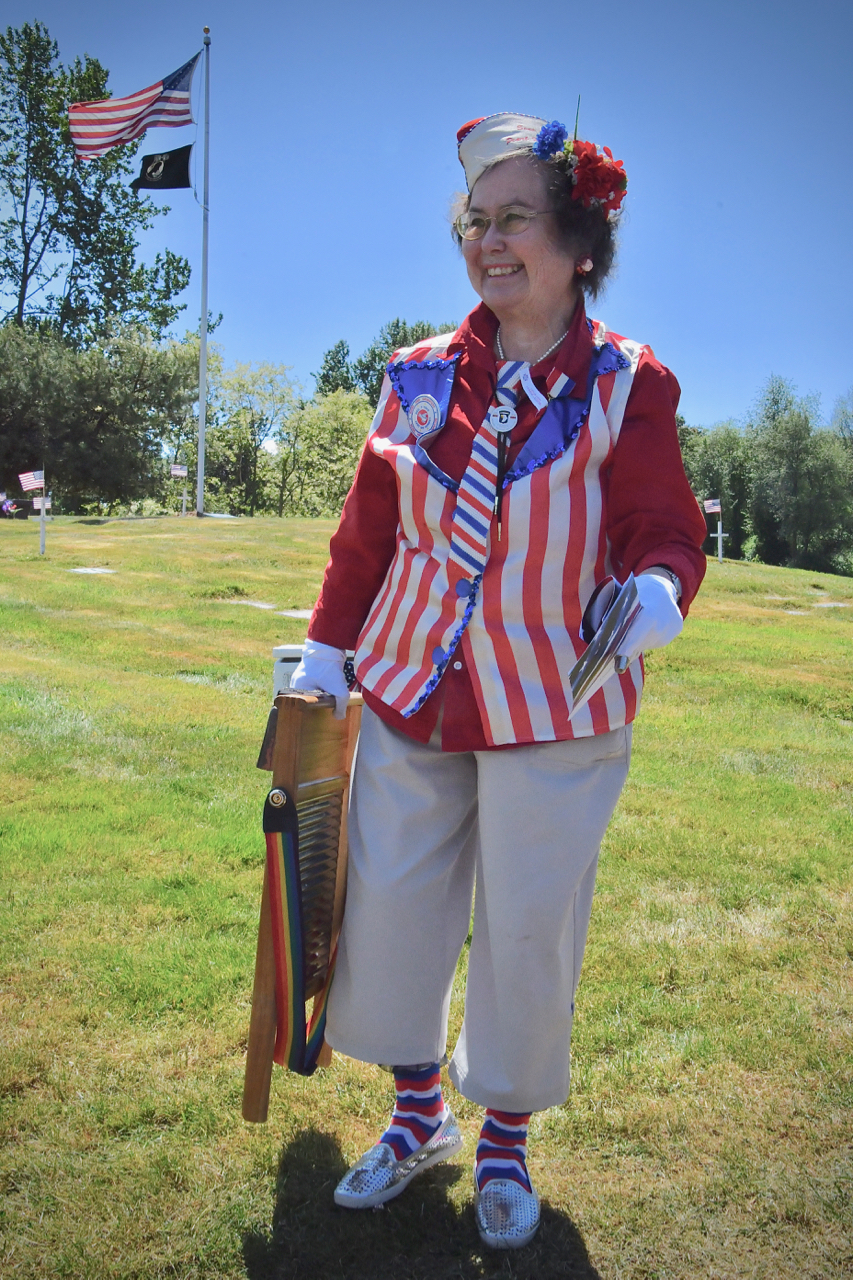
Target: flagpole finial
x: 207, y: 35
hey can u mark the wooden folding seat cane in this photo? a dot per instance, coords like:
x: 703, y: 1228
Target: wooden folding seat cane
x: 305, y: 824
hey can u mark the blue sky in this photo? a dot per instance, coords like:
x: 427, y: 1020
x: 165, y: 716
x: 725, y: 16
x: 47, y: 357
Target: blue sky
x: 333, y: 161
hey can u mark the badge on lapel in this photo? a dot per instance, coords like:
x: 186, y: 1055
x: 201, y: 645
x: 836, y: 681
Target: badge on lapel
x: 423, y: 388
x: 425, y: 416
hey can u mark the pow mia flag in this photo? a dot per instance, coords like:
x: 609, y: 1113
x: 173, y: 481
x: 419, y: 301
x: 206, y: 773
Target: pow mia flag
x: 165, y: 170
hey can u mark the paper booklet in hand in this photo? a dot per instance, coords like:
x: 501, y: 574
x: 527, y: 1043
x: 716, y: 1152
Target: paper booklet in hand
x: 607, y: 620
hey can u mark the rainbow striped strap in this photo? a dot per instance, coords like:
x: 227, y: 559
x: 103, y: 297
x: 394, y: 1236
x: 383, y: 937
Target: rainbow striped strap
x: 297, y: 1044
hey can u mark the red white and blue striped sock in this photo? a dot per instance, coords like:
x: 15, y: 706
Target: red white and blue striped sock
x: 502, y: 1149
x: 418, y: 1111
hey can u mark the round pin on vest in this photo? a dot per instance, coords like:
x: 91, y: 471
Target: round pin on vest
x: 424, y: 415
x: 502, y: 417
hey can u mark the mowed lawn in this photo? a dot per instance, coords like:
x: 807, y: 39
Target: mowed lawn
x: 709, y: 1131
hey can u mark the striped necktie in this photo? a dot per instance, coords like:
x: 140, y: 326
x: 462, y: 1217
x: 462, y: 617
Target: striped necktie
x: 478, y: 496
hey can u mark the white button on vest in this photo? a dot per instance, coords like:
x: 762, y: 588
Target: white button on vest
x: 457, y: 666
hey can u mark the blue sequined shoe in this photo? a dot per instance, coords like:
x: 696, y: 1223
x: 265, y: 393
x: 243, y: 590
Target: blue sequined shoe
x: 379, y: 1176
x: 507, y: 1215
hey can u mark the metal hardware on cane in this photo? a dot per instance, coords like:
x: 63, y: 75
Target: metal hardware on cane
x: 277, y: 798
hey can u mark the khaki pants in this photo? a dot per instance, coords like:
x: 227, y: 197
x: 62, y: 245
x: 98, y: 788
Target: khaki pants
x: 525, y: 824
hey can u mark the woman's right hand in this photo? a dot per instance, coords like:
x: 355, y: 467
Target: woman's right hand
x: 322, y: 671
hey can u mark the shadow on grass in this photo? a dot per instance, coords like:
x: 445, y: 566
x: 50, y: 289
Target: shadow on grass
x: 422, y: 1235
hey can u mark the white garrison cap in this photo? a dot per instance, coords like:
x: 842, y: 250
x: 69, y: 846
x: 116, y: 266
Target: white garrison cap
x: 494, y: 138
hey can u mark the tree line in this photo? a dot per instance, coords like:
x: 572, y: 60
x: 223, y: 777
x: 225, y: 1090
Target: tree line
x: 785, y: 482
x: 106, y: 420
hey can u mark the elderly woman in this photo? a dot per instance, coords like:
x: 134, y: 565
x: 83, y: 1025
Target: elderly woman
x: 510, y: 468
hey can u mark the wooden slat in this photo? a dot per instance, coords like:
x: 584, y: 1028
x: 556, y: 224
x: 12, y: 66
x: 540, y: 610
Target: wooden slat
x: 262, y: 1025
x: 353, y: 724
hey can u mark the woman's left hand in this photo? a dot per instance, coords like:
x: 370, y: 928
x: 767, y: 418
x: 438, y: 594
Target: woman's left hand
x: 660, y: 620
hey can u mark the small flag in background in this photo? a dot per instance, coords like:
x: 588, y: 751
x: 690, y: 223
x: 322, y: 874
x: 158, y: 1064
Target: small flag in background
x: 32, y: 480
x: 178, y: 470
x: 96, y: 127
x: 165, y: 169
x: 712, y: 505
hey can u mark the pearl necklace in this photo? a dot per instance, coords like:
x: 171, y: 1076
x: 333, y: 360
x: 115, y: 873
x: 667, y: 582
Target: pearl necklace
x: 544, y: 355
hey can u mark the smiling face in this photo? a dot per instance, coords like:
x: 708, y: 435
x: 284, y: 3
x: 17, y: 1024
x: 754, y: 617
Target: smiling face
x: 528, y: 278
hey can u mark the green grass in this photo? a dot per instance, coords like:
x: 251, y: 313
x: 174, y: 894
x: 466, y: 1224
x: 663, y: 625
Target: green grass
x: 709, y: 1131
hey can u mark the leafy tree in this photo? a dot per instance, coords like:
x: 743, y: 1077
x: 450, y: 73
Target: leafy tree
x: 686, y: 435
x: 842, y: 417
x: 717, y: 462
x: 251, y: 406
x: 369, y: 368
x: 339, y: 373
x: 97, y: 419
x: 319, y: 450
x: 68, y: 228
x: 336, y: 372
x: 801, y: 512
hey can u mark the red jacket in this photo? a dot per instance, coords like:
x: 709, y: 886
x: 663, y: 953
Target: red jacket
x: 653, y: 517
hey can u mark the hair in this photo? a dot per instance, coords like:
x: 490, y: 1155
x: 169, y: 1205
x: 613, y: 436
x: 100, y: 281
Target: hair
x: 585, y: 233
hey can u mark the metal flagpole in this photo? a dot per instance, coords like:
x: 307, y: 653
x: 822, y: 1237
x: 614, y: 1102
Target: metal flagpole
x: 43, y: 513
x: 202, y: 346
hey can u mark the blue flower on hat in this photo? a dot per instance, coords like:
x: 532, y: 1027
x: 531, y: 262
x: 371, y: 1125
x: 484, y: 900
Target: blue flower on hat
x: 550, y: 139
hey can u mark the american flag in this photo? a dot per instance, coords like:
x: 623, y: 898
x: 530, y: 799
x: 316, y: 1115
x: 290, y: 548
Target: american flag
x: 96, y: 127
x: 32, y: 480
x: 713, y: 505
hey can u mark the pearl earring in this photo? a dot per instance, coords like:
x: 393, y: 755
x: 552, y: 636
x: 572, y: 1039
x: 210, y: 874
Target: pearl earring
x: 583, y: 268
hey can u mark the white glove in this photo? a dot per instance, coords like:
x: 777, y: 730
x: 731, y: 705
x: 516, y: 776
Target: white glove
x: 660, y: 620
x: 322, y: 671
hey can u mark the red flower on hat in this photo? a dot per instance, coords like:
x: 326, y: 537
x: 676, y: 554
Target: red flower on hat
x: 579, y: 148
x: 597, y: 177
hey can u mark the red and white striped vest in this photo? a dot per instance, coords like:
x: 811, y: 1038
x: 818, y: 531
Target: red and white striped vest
x: 518, y: 628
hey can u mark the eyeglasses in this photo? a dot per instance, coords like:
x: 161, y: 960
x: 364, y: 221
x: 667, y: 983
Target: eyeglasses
x: 509, y: 222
